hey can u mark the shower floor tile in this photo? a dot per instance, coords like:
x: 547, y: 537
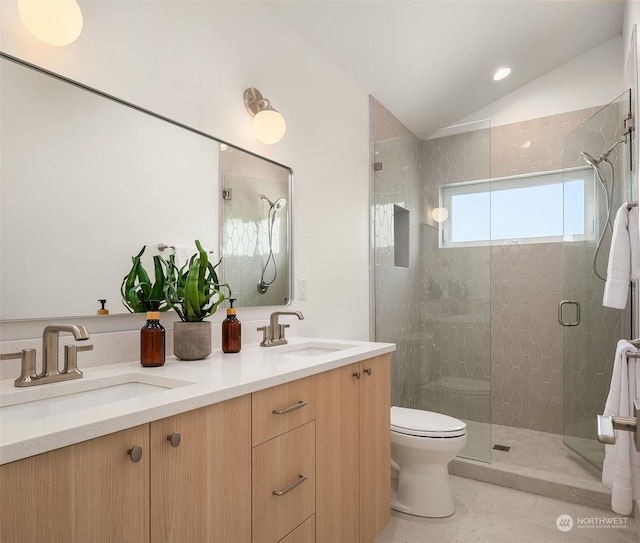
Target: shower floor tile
x: 541, y: 451
x: 537, y: 454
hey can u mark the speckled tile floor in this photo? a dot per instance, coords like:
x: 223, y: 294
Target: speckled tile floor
x: 487, y: 513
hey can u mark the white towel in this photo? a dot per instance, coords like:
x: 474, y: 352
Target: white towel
x: 622, y: 462
x: 634, y: 242
x: 184, y: 253
x: 624, y: 258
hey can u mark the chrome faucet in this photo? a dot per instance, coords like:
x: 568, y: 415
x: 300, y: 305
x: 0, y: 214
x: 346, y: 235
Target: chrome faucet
x: 50, y: 345
x: 273, y: 334
x: 51, y: 371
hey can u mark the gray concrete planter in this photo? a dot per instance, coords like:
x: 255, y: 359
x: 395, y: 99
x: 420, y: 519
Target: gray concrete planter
x: 192, y: 340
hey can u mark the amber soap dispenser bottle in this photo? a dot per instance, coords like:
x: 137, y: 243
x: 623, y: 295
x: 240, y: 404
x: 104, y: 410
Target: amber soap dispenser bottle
x: 231, y: 331
x: 152, y: 341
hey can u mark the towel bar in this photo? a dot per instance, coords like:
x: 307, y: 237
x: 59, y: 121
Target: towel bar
x: 632, y: 204
x: 163, y: 246
x: 607, y: 425
x: 635, y: 342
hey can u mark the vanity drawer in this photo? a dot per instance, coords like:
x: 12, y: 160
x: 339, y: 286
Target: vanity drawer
x: 279, y: 409
x: 283, y: 483
x: 305, y: 533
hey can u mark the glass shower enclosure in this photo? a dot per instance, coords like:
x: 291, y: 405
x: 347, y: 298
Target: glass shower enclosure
x: 589, y: 330
x: 431, y: 299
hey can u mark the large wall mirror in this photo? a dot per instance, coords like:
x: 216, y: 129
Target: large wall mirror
x: 87, y: 180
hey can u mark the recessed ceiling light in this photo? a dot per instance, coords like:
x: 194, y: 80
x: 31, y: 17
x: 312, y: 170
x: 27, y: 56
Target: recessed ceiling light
x: 501, y: 73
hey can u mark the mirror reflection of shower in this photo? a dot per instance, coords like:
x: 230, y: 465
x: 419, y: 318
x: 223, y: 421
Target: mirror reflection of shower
x: 274, y: 207
x: 608, y: 187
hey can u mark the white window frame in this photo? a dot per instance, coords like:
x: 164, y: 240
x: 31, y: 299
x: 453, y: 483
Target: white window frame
x: 446, y: 192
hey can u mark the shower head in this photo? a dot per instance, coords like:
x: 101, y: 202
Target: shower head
x: 604, y: 156
x: 592, y: 161
x: 277, y: 205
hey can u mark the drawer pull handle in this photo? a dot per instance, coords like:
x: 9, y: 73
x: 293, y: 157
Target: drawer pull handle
x: 367, y: 371
x: 135, y: 453
x: 294, y: 407
x: 301, y: 479
x: 357, y: 375
x: 174, y: 439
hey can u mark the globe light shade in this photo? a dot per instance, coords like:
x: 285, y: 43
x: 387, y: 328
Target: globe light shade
x: 440, y: 214
x: 54, y: 22
x: 269, y: 126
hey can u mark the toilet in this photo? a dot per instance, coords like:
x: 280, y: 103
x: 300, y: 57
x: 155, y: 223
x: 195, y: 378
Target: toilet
x: 422, y: 445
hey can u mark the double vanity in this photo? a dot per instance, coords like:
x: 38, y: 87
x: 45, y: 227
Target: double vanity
x: 287, y: 443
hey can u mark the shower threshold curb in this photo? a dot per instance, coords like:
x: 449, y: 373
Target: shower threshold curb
x: 591, y: 495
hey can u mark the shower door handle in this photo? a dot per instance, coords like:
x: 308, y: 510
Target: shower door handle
x: 561, y: 318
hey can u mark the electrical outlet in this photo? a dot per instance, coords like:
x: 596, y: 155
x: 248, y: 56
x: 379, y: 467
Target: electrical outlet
x: 302, y: 289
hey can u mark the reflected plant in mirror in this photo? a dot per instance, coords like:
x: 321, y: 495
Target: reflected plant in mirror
x: 139, y: 293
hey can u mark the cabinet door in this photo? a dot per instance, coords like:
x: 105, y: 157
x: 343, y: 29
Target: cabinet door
x: 86, y: 492
x: 375, y: 447
x: 337, y: 472
x: 200, y: 488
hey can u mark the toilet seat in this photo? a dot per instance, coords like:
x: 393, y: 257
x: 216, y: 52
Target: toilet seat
x: 419, y: 423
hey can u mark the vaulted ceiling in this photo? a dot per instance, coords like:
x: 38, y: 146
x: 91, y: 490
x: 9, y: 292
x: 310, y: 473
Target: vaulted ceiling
x: 430, y: 62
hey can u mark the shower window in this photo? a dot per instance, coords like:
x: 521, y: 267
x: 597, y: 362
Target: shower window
x: 519, y: 209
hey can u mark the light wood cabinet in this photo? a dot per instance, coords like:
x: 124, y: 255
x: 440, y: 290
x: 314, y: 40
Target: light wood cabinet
x: 201, y: 486
x: 278, y: 409
x: 375, y: 447
x: 284, y: 483
x: 91, y: 491
x: 284, y: 462
x: 353, y: 452
x: 217, y: 482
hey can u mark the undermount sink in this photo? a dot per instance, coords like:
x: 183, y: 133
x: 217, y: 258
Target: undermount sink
x: 67, y: 397
x: 312, y: 348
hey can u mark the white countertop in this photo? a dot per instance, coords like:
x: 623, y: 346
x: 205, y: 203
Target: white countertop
x: 215, y: 379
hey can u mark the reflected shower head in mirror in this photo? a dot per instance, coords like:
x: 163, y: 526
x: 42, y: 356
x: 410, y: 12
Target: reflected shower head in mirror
x: 263, y: 284
x: 277, y: 205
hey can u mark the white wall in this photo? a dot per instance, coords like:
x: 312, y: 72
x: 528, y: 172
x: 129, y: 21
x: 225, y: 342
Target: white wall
x: 592, y: 79
x: 191, y: 61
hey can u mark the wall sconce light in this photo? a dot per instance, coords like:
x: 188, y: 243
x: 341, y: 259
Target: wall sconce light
x: 54, y: 22
x: 440, y: 214
x: 269, y: 125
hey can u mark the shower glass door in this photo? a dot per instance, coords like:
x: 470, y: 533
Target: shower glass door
x: 590, y: 331
x: 432, y: 300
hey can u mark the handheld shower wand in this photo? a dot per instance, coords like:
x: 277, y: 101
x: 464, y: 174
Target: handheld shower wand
x: 276, y: 206
x: 608, y: 194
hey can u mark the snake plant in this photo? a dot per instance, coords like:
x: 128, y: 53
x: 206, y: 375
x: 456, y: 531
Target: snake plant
x: 194, y: 291
x: 139, y: 294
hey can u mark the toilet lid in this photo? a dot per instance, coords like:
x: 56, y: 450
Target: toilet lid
x: 416, y: 422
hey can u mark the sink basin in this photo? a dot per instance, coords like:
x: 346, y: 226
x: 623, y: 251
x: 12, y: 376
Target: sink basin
x: 73, y: 396
x: 312, y: 348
